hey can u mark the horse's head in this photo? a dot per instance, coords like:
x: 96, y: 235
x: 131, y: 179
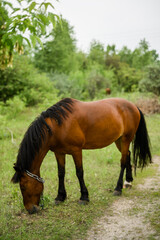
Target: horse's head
x: 31, y: 188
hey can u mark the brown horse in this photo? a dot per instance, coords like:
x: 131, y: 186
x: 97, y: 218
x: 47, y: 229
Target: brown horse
x: 108, y: 91
x: 70, y: 126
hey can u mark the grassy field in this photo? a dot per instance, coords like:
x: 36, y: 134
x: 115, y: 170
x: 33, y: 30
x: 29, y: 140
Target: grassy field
x: 68, y: 220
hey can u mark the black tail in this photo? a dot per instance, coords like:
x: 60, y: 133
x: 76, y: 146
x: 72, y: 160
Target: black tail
x: 141, y: 145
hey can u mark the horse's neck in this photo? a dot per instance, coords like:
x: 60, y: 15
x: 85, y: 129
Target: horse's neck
x: 36, y: 164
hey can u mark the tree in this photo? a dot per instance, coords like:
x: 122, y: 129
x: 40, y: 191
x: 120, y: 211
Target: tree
x: 128, y: 78
x: 96, y: 53
x: 112, y: 59
x: 126, y: 55
x: 111, y: 50
x: 142, y: 56
x: 24, y: 25
x: 151, y: 80
x: 59, y: 53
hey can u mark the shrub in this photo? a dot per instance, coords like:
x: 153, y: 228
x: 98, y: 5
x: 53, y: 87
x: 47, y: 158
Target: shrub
x: 12, y: 107
x: 83, y: 84
x: 97, y: 80
x: 128, y: 78
x: 151, y: 80
x: 25, y: 81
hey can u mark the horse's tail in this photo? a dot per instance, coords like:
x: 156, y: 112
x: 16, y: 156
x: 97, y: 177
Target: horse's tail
x: 141, y: 145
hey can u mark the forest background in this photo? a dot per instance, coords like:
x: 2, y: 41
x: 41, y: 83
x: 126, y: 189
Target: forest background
x: 47, y: 66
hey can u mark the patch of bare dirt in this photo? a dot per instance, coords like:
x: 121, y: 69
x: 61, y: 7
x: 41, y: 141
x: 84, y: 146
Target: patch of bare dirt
x: 126, y: 219
x: 149, y: 106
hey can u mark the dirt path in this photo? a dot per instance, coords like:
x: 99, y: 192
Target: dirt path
x: 127, y: 217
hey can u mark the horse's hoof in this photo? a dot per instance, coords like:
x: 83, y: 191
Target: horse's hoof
x: 117, y: 193
x: 127, y: 185
x: 83, y: 202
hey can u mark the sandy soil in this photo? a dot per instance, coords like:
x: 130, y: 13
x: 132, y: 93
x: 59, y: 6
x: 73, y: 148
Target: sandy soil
x: 122, y: 222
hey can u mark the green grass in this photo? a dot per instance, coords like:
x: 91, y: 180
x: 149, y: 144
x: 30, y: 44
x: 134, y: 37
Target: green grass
x: 69, y: 220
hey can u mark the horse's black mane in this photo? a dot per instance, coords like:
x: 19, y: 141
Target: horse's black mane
x: 36, y: 133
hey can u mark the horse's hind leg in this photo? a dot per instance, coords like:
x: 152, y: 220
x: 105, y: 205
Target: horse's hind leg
x: 79, y: 172
x: 129, y: 178
x: 123, y: 146
x: 61, y: 174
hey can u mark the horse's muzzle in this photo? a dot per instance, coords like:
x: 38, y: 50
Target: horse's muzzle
x: 33, y: 210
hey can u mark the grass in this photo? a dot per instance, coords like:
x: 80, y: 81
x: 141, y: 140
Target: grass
x: 69, y: 220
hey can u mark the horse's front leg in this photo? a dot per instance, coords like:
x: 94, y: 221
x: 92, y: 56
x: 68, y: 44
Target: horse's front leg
x: 61, y: 174
x: 79, y: 172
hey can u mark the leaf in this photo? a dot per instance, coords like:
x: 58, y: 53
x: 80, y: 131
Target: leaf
x: 40, y: 42
x: 42, y: 26
x: 43, y: 19
x: 32, y: 29
x: 46, y: 5
x: 27, y: 40
x: 9, y: 4
x: 19, y: 39
x: 32, y: 6
x: 51, y: 17
x: 33, y: 40
x: 15, y: 10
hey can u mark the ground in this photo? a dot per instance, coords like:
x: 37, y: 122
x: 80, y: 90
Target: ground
x: 130, y: 218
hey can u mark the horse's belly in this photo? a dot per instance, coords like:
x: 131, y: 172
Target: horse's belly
x: 100, y: 140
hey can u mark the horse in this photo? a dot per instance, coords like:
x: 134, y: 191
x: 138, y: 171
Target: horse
x: 68, y: 127
x: 108, y: 91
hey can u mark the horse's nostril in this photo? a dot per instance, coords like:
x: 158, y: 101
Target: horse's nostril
x: 33, y: 210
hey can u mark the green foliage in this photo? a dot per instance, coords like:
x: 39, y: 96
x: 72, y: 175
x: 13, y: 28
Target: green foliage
x: 72, y: 85
x: 81, y: 61
x: 126, y: 55
x: 96, y: 81
x: 74, y: 73
x: 128, y: 78
x: 151, y: 80
x: 25, y: 81
x: 142, y: 56
x: 96, y: 53
x: 58, y: 55
x: 30, y: 17
x: 112, y: 62
x: 83, y: 84
x: 12, y: 107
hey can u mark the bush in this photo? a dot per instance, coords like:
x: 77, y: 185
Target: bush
x: 25, y: 81
x: 127, y: 78
x: 98, y: 80
x: 151, y: 80
x: 12, y: 107
x: 72, y: 85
